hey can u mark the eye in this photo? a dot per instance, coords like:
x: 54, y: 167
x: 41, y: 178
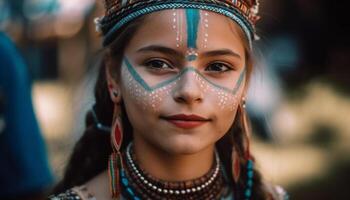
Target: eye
x: 158, y: 65
x: 218, y: 67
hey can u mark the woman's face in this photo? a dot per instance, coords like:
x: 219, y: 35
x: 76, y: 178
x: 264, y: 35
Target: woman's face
x: 183, y: 75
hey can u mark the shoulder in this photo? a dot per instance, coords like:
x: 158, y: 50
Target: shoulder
x: 76, y: 193
x: 276, y: 192
x: 95, y: 189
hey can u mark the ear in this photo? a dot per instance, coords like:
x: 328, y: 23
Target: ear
x: 113, y: 88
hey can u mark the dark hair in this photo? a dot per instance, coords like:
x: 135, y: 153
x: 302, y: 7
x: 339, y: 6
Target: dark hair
x: 91, y: 153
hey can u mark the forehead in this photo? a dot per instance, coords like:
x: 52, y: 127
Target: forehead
x: 170, y: 27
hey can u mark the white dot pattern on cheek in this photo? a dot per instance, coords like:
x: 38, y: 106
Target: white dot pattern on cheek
x: 225, y: 99
x: 144, y: 98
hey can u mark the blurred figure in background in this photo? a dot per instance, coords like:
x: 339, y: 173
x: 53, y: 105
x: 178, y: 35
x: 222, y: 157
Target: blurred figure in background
x: 24, y: 169
x: 280, y: 56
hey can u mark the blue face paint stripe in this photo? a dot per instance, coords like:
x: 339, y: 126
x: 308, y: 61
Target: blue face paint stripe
x: 239, y: 82
x: 234, y: 91
x: 191, y: 57
x: 136, y: 76
x: 193, y: 17
x: 143, y: 83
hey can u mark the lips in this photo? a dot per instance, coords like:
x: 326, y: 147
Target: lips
x: 186, y: 121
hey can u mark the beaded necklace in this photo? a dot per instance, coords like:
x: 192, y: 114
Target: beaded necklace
x: 138, y: 184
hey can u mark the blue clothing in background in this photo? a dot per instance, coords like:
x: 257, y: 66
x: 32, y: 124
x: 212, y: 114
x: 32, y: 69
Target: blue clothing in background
x: 24, y: 166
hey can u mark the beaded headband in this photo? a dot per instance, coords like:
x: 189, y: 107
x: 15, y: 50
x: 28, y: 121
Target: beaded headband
x: 120, y: 12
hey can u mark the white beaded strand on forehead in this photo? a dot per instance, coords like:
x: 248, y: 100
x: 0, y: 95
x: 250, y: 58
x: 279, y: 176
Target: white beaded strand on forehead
x: 206, y: 28
x: 176, y: 26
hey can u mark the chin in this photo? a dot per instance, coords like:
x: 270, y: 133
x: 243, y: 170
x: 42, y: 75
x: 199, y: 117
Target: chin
x: 183, y: 145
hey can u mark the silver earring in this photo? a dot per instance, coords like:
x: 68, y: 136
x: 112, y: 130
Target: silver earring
x: 244, y: 103
x: 115, y: 93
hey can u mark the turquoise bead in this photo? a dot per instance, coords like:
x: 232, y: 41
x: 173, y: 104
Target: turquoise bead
x: 250, y: 174
x: 248, y: 193
x: 130, y: 191
x: 250, y: 164
x: 250, y: 183
x: 125, y: 181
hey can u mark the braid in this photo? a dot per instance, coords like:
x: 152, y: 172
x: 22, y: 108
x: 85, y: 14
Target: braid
x: 235, y: 137
x: 91, y: 153
x: 258, y: 192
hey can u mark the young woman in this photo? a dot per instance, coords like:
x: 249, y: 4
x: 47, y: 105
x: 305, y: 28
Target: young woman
x: 172, y: 87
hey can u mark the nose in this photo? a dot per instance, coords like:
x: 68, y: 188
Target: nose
x: 188, y: 90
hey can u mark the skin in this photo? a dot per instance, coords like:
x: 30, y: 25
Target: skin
x: 186, y: 68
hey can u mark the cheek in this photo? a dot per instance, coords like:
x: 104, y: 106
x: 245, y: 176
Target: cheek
x: 144, y: 98
x: 222, y: 98
x: 226, y: 108
x: 225, y: 104
x: 225, y: 101
x: 228, y: 105
x: 225, y: 118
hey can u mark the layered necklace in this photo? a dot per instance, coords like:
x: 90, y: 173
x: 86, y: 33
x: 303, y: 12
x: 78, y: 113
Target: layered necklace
x: 138, y: 184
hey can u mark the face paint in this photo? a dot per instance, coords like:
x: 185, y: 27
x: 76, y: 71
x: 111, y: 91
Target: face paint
x: 205, y: 29
x: 144, y: 95
x: 151, y: 96
x: 177, y: 20
x: 193, y: 19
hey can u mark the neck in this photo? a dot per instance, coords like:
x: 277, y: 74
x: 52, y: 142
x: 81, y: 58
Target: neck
x: 172, y: 167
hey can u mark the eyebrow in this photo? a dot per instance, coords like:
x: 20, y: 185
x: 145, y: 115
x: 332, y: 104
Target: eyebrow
x: 161, y: 49
x: 173, y: 52
x: 221, y: 52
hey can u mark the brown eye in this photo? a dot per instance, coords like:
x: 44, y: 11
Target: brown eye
x: 158, y: 65
x: 218, y: 67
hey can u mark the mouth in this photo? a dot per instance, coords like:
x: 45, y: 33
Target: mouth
x: 186, y: 121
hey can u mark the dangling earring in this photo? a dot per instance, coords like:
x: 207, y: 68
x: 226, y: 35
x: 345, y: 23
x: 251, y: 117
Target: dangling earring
x: 246, y: 128
x: 244, y: 103
x: 236, y: 165
x: 115, y: 160
x: 115, y: 93
x: 250, y: 161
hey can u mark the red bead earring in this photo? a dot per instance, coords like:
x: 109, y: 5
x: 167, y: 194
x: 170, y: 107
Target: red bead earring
x: 117, y: 135
x: 115, y: 160
x: 236, y: 167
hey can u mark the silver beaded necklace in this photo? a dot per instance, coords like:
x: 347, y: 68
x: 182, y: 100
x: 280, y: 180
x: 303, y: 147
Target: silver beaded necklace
x: 170, y: 191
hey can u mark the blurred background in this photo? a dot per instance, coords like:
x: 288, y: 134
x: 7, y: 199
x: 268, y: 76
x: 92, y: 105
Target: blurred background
x: 299, y: 100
